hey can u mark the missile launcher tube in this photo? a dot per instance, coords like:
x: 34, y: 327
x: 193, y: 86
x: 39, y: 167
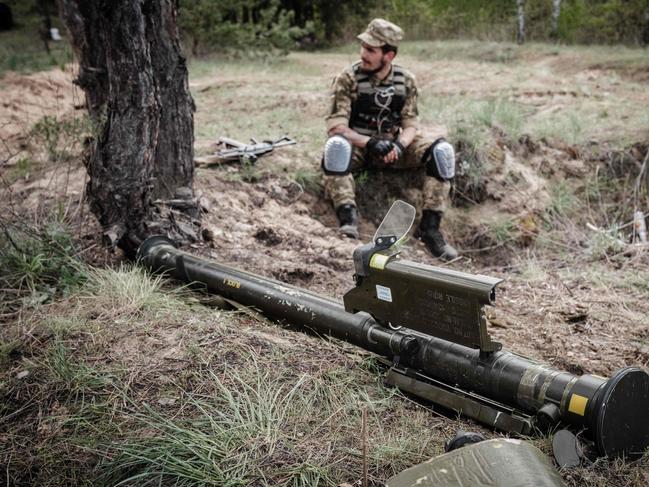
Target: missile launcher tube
x: 276, y: 299
x: 614, y: 411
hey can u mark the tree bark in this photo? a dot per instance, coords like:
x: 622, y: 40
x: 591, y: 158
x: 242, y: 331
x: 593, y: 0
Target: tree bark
x: 520, y: 36
x: 556, y: 12
x: 134, y: 75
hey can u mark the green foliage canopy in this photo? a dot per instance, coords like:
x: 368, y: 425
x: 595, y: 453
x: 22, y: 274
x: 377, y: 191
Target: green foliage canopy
x: 257, y: 25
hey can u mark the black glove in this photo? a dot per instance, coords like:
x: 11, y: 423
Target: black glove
x: 379, y: 148
x: 399, y: 147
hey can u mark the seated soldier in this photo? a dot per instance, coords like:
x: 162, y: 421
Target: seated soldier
x: 373, y: 124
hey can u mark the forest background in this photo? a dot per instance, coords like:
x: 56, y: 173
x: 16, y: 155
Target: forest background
x: 254, y: 26
x: 213, y: 23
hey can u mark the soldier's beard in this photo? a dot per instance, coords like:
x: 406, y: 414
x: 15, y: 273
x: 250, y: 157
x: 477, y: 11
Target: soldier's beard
x: 375, y: 70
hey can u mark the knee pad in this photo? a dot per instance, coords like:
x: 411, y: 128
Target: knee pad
x: 439, y: 160
x: 337, y: 157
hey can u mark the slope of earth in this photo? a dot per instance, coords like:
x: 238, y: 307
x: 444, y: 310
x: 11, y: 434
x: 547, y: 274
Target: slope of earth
x: 551, y: 142
x: 551, y: 300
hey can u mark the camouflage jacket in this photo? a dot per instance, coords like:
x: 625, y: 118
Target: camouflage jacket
x: 345, y: 92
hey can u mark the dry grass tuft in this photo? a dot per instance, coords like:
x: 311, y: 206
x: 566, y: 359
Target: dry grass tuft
x: 127, y: 292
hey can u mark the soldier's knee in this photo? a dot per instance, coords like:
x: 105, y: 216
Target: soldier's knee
x: 337, y: 156
x: 439, y: 160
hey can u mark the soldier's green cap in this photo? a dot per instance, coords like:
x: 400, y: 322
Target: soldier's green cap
x: 380, y: 32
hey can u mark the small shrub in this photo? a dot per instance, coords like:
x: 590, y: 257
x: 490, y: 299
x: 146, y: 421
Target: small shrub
x: 247, y: 171
x: 469, y: 187
x: 39, y: 263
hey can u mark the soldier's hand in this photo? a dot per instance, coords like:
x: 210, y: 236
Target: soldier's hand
x: 379, y: 148
x: 395, y: 154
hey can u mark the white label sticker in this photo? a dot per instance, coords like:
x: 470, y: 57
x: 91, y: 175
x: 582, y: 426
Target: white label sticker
x: 384, y: 293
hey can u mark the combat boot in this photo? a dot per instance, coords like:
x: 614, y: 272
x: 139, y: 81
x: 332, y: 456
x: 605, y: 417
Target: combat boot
x: 429, y: 233
x: 348, y: 219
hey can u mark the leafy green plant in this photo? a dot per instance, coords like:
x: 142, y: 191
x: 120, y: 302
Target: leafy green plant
x: 39, y: 263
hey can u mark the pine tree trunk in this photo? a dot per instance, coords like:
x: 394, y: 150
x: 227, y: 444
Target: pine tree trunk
x: 520, y: 37
x: 135, y: 79
x: 556, y: 12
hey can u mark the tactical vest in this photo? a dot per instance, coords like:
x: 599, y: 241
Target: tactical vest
x: 377, y: 109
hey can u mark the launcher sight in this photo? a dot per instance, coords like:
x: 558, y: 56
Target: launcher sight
x: 434, y: 301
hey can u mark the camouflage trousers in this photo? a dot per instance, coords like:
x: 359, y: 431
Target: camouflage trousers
x: 433, y: 194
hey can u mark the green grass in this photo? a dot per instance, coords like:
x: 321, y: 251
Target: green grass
x: 473, y: 121
x: 503, y: 231
x: 127, y: 292
x: 563, y: 200
x: 68, y: 325
x: 601, y: 245
x: 21, y: 50
x: 468, y: 50
x: 39, y: 261
x: 75, y: 377
x: 237, y: 416
x: 507, y: 53
x: 220, y: 446
x: 639, y: 280
x: 256, y: 423
x: 564, y: 126
x: 309, y: 179
x: 253, y: 67
x: 532, y: 271
x: 261, y: 426
x: 276, y: 122
x: 21, y: 170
